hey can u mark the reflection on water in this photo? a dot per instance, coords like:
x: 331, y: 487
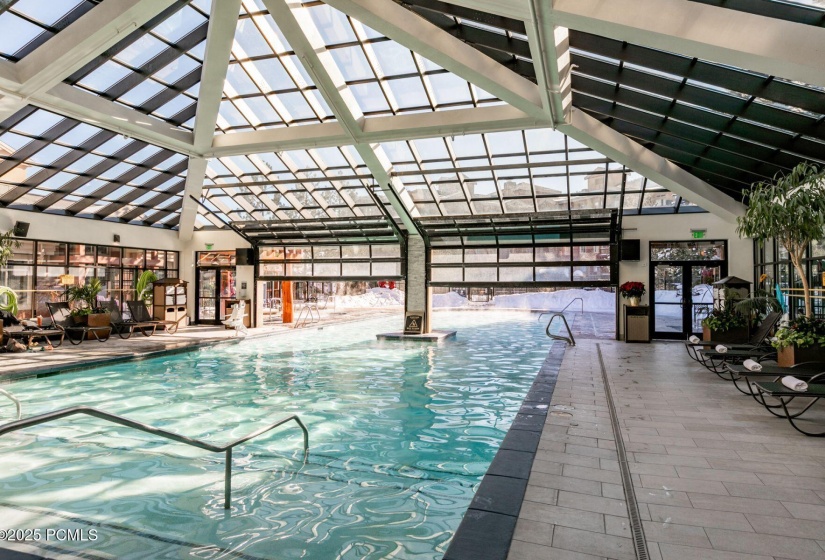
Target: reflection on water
x: 400, y: 435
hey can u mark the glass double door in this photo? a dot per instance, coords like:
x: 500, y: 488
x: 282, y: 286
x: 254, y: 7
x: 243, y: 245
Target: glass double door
x: 682, y: 297
x: 215, y: 286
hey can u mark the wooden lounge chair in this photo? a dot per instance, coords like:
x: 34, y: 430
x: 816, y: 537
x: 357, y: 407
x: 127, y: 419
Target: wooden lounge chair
x: 757, y: 340
x: 775, y: 389
x: 62, y: 320
x: 140, y: 314
x: 124, y: 328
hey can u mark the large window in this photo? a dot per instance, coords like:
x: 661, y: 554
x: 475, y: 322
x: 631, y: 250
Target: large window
x: 383, y: 261
x: 773, y: 268
x: 41, y: 271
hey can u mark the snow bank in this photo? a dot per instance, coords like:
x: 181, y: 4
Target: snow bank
x: 450, y: 299
x: 375, y: 297
x: 595, y: 301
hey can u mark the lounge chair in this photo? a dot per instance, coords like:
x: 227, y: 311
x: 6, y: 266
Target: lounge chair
x: 757, y: 340
x: 124, y: 328
x: 235, y: 319
x: 771, y: 372
x: 62, y: 321
x: 140, y: 314
x: 775, y: 389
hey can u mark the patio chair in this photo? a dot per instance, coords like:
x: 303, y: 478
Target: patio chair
x: 771, y: 372
x: 124, y: 328
x: 140, y: 314
x: 775, y: 389
x: 757, y: 340
x: 235, y: 319
x: 62, y: 321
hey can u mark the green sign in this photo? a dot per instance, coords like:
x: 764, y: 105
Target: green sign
x: 698, y: 233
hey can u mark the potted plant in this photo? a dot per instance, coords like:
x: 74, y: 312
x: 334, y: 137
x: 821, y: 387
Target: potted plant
x: 725, y: 325
x: 8, y: 297
x: 143, y: 286
x: 87, y: 309
x: 791, y: 209
x: 801, y: 340
x: 632, y: 291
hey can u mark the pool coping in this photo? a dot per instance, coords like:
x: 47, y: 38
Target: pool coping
x: 488, y: 526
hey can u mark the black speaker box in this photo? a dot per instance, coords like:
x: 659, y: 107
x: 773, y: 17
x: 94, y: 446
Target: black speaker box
x: 244, y: 257
x: 631, y: 250
x: 21, y: 229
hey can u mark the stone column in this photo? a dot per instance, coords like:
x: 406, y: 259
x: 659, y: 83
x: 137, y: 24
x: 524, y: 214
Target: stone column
x: 417, y: 292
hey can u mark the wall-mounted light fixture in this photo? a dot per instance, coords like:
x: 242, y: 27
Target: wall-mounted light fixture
x: 116, y: 239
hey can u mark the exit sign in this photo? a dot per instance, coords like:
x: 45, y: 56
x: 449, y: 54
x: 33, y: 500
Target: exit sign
x: 698, y: 233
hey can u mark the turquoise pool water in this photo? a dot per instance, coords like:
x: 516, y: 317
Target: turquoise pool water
x: 400, y: 435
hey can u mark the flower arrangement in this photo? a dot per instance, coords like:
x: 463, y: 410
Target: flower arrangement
x: 800, y: 332
x: 632, y: 289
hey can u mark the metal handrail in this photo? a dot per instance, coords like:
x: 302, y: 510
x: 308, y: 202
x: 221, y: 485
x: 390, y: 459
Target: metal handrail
x: 569, y: 339
x: 15, y: 401
x: 309, y: 307
x: 71, y: 411
x: 563, y: 310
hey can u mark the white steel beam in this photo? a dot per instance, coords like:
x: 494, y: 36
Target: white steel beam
x: 752, y: 42
x: 550, y: 48
x: 492, y: 118
x: 300, y: 31
x: 615, y: 145
x: 515, y: 9
x: 89, y: 108
x: 195, y: 174
x: 94, y: 32
x: 428, y: 40
x: 223, y: 20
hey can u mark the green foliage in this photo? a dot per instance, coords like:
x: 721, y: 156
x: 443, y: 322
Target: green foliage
x: 790, y: 208
x: 7, y: 242
x: 757, y: 306
x: 143, y: 286
x: 8, y: 300
x: 802, y: 332
x: 8, y: 297
x: 87, y: 295
x: 723, y: 320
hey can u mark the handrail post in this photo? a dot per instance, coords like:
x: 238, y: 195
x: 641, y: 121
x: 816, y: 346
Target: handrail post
x: 227, y: 480
x: 15, y: 401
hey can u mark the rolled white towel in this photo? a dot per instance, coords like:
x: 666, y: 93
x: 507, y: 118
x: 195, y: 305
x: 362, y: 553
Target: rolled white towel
x: 721, y: 348
x: 794, y: 384
x: 752, y: 365
x: 694, y: 339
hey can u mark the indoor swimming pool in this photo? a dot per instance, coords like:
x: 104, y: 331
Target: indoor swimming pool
x: 400, y: 436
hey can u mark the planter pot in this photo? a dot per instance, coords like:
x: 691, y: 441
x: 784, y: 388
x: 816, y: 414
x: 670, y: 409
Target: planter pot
x: 791, y: 355
x: 97, y: 320
x: 738, y: 335
x: 633, y: 302
x: 80, y: 319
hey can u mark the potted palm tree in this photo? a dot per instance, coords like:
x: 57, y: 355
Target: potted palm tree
x: 8, y: 297
x: 87, y: 309
x: 791, y: 209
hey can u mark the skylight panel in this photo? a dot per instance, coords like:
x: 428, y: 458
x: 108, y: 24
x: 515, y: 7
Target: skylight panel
x: 370, y: 98
x: 394, y: 58
x: 141, y: 93
x: 105, y: 76
x: 333, y: 25
x: 179, y: 24
x: 409, y: 92
x: 449, y: 89
x: 141, y: 51
x: 17, y: 33
x: 353, y: 63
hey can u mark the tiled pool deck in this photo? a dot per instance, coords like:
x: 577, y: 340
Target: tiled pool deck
x: 716, y: 476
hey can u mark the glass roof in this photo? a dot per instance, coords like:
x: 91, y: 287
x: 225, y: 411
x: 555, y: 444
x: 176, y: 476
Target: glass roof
x: 157, y: 69
x: 286, y: 186
x: 27, y: 24
x: 538, y: 170
x: 808, y: 12
x: 54, y: 164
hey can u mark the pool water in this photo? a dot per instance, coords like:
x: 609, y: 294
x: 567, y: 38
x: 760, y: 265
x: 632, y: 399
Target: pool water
x: 400, y: 436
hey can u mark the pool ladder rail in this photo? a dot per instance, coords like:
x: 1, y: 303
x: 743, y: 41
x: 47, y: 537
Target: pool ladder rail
x: 114, y: 418
x: 569, y: 338
x: 14, y: 400
x: 309, y: 313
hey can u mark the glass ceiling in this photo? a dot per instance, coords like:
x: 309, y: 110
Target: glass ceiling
x: 287, y: 186
x: 537, y: 170
x: 54, y: 164
x: 157, y: 69
x: 27, y: 24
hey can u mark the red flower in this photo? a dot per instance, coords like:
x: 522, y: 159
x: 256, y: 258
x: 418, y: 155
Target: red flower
x: 632, y: 289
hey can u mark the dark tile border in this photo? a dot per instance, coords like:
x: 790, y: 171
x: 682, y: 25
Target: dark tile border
x: 488, y: 527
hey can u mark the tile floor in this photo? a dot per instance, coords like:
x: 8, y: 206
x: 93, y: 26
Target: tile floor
x: 716, y: 477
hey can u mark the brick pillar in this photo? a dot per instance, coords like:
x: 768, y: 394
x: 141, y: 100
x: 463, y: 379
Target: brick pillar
x: 418, y: 293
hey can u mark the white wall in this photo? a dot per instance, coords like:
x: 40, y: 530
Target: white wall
x: 677, y: 228
x: 50, y: 227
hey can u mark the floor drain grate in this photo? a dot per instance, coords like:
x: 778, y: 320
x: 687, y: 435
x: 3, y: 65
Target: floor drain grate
x: 639, y: 542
